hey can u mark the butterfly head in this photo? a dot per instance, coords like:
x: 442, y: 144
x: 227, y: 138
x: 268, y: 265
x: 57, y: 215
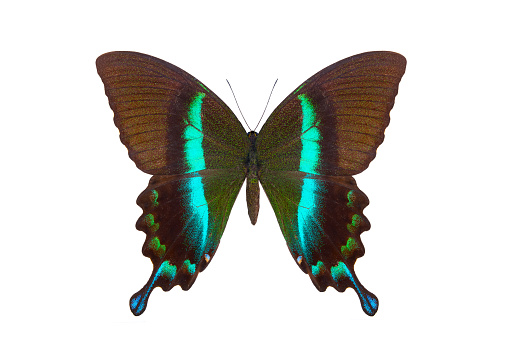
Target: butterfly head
x: 252, y: 136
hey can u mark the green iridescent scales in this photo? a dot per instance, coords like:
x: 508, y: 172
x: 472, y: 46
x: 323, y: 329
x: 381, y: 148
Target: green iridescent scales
x: 324, y: 132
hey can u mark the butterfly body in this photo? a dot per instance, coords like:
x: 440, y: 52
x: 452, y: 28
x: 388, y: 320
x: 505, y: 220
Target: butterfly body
x: 304, y: 156
x: 252, y: 186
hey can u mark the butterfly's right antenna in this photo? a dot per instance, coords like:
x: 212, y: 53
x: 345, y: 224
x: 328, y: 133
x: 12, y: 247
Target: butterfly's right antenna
x: 266, y: 104
x: 238, y: 105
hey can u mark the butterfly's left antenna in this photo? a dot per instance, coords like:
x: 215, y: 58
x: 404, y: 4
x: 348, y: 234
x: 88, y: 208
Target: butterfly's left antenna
x: 238, y: 105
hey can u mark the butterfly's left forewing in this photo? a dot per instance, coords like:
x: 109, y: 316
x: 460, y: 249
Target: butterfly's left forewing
x: 325, y: 131
x: 179, y: 131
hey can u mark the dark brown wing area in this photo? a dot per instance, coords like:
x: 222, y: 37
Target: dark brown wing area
x: 154, y: 102
x: 342, y: 111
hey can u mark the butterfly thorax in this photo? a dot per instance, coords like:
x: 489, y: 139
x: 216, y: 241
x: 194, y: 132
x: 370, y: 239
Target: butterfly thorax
x: 252, y: 187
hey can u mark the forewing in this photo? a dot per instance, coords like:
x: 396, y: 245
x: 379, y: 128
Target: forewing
x: 169, y: 121
x: 333, y: 123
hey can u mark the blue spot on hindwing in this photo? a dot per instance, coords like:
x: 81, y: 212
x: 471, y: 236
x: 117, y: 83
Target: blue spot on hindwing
x: 196, y: 216
x: 318, y: 268
x: 339, y: 272
x: 191, y: 268
x: 138, y: 301
x: 135, y: 302
x: 307, y: 217
x: 368, y: 300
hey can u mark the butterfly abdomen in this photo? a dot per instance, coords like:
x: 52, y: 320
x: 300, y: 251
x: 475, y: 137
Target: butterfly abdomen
x: 252, y: 186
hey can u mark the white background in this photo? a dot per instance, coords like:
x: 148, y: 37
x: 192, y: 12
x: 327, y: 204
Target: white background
x: 435, y: 256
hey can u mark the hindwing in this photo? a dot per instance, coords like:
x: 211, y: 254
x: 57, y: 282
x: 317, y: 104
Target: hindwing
x: 184, y: 217
x: 321, y: 220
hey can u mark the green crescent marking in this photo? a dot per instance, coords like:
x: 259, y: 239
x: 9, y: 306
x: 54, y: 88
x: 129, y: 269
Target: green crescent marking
x: 155, y: 245
x: 153, y: 197
x: 356, y: 220
x: 350, y: 246
x: 152, y: 225
x: 168, y: 271
x: 191, y: 268
x: 351, y: 198
x: 339, y: 272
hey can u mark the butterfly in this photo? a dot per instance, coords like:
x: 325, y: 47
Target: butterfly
x: 198, y: 153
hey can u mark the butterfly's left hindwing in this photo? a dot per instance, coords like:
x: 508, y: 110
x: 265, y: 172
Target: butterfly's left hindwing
x: 325, y: 131
x: 175, y: 128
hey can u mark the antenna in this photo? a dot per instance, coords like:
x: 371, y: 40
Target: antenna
x: 238, y: 105
x: 266, y: 104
